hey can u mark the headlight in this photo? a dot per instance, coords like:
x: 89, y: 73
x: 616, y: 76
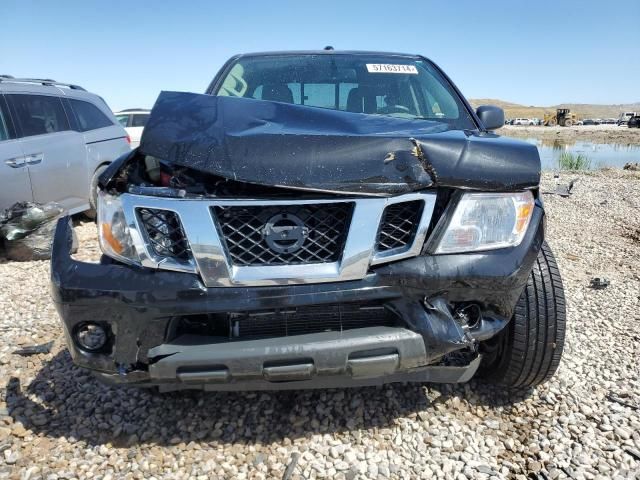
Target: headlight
x: 113, y: 231
x: 486, y: 221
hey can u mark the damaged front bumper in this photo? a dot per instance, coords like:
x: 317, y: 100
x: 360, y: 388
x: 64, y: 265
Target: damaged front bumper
x: 428, y: 295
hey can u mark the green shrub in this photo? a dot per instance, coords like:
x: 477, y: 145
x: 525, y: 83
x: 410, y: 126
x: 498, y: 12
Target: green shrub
x: 570, y: 161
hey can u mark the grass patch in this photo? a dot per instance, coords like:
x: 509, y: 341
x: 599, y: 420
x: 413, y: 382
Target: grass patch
x: 570, y: 161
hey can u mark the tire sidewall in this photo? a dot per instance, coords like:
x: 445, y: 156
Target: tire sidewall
x: 93, y: 192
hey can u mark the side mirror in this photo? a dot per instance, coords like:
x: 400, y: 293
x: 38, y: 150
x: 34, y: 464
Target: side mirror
x: 490, y: 116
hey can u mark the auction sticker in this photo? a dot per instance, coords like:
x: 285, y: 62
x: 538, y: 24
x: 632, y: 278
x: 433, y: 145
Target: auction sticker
x: 391, y: 68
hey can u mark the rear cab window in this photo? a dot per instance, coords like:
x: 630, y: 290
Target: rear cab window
x: 396, y: 86
x: 39, y: 114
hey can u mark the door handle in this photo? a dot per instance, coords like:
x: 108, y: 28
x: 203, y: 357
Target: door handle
x: 16, y: 162
x: 34, y: 159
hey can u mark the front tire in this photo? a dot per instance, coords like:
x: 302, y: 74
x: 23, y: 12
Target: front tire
x: 528, y: 351
x: 93, y: 193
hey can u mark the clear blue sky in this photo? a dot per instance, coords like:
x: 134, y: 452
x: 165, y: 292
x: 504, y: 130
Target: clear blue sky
x: 535, y: 53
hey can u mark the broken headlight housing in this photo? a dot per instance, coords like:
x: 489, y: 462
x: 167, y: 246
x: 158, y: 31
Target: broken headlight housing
x: 113, y: 232
x: 487, y: 221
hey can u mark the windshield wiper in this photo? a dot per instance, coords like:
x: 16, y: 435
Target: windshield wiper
x: 418, y: 117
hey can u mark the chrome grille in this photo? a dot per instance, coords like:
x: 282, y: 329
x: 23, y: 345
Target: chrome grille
x: 342, y: 237
x: 245, y: 233
x: 165, y: 233
x: 399, y: 225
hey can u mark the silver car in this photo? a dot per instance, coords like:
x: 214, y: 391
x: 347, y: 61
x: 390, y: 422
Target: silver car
x: 55, y: 140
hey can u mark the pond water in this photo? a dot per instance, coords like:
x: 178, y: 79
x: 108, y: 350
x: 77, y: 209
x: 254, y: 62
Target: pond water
x: 600, y: 154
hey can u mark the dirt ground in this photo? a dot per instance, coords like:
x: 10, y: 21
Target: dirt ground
x: 588, y: 133
x: 57, y: 422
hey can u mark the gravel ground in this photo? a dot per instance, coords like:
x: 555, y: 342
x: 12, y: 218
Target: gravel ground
x: 586, y: 133
x: 56, y: 421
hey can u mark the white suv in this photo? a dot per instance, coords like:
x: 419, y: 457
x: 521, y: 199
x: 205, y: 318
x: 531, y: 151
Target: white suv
x: 55, y: 141
x: 133, y: 120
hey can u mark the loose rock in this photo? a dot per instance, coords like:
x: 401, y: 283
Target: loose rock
x: 58, y: 418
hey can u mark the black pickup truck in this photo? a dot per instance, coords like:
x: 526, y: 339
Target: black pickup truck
x: 317, y: 219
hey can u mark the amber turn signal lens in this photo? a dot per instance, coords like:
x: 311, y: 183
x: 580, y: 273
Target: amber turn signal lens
x: 110, y: 239
x: 523, y: 216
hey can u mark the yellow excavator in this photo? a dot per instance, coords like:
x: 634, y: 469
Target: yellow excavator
x: 562, y: 117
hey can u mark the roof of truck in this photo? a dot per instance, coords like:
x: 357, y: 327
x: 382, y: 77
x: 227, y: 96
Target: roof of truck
x: 327, y: 52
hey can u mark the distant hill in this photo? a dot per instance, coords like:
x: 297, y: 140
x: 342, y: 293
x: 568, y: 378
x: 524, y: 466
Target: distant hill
x: 583, y: 110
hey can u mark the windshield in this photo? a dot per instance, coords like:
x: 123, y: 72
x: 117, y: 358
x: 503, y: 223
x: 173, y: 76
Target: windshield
x: 371, y: 84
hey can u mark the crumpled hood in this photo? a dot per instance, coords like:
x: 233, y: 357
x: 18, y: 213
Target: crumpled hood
x: 278, y: 144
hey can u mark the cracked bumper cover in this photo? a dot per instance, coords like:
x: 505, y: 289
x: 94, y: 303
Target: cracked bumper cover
x: 138, y: 303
